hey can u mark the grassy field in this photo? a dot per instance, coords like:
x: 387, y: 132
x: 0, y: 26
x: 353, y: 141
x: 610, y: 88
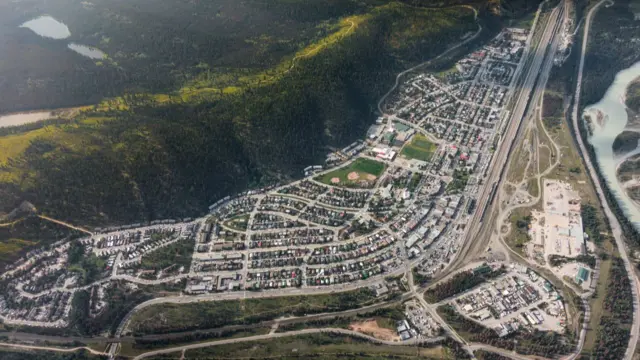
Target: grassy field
x: 178, y: 254
x: 166, y: 318
x: 420, y: 148
x: 238, y: 222
x: 318, y: 346
x: 367, y: 170
x: 519, y: 160
x: 132, y: 349
x: 596, y: 305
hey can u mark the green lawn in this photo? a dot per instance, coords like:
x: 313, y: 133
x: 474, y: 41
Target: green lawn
x: 364, y: 168
x: 420, y: 148
x: 238, y: 222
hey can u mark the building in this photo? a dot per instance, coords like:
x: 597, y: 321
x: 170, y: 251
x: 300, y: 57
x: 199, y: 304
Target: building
x: 582, y: 275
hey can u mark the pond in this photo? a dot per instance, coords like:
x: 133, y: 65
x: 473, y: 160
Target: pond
x: 609, y: 120
x: 24, y: 118
x: 87, y: 51
x: 48, y: 27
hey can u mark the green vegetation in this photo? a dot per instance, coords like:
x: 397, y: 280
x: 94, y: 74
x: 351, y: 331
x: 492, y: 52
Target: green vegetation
x: 519, y: 229
x: 546, y: 344
x: 487, y: 355
x: 20, y: 354
x: 22, y: 235
x: 368, y: 170
x: 615, y: 324
x: 175, y: 142
x: 142, y: 345
x: 415, y: 180
x: 610, y: 50
x: 174, y: 256
x: 590, y: 222
x: 625, y: 142
x: 460, y: 179
x: 319, y: 346
x: 632, y: 99
x: 120, y: 297
x: 89, y: 268
x: 420, y: 148
x: 385, y: 318
x: 166, y: 318
x: 238, y: 223
x: 558, y: 260
x: 461, y: 282
x: 419, y: 278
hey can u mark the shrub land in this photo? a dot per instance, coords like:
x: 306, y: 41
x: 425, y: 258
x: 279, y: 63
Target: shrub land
x: 165, y: 318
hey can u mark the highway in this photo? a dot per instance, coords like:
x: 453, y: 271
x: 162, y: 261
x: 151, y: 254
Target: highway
x: 479, y: 230
x: 613, y: 221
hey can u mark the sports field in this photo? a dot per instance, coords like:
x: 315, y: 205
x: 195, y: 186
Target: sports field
x: 420, y: 148
x: 362, y: 172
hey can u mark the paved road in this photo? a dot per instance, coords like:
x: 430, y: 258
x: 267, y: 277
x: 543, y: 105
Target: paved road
x: 613, y: 221
x: 447, y: 52
x: 503, y: 352
x: 50, y: 348
x: 291, y: 333
x: 479, y: 232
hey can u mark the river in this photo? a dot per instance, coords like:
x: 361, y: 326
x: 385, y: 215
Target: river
x: 604, y: 133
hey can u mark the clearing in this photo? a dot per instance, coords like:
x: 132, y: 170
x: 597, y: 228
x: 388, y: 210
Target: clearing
x: 371, y: 328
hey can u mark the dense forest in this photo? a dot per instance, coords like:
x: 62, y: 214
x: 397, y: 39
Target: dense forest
x: 611, y: 48
x: 206, y: 123
x: 27, y: 233
x: 165, y: 160
x: 614, y: 330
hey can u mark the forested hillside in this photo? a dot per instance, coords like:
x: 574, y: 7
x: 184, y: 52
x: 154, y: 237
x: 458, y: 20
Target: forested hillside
x: 158, y: 152
x: 612, y: 47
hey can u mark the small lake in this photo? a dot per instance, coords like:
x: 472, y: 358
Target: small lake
x: 48, y: 27
x: 614, y: 110
x: 87, y: 51
x: 24, y: 118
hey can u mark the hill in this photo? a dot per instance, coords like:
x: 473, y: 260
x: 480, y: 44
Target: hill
x: 222, y: 122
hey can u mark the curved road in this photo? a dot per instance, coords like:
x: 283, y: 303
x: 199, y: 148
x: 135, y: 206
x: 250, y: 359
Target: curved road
x: 291, y: 333
x: 613, y: 221
x: 445, y: 53
x: 49, y: 348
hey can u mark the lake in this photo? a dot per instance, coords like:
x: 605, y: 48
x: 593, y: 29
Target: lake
x: 604, y: 133
x: 24, y: 118
x: 87, y: 51
x: 48, y: 27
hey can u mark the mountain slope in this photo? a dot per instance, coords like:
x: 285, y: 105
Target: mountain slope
x: 156, y: 160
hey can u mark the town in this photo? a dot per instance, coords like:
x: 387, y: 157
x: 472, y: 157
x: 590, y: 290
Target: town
x: 397, y: 200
